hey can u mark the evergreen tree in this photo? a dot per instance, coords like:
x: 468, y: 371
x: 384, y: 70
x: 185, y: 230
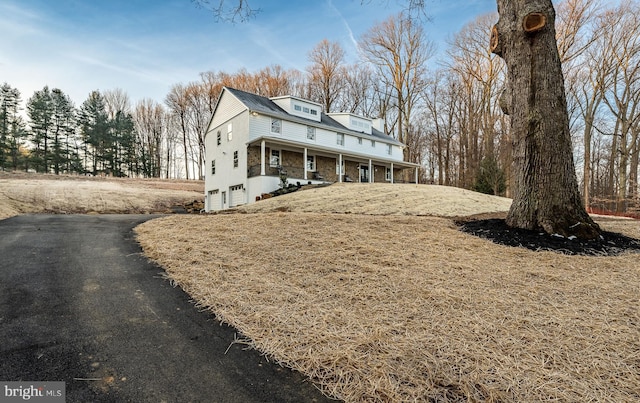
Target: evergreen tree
x: 40, y: 110
x: 94, y: 128
x: 491, y: 178
x: 12, y: 127
x: 123, y: 156
x: 63, y: 131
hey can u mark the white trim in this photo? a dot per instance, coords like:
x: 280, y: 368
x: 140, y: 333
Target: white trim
x: 305, y: 163
x: 263, y: 171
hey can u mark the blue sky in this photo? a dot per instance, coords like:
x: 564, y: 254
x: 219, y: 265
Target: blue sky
x: 146, y: 46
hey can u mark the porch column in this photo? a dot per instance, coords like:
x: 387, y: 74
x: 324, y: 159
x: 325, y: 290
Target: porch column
x: 340, y: 168
x: 262, y: 158
x: 305, y: 163
x: 371, y: 173
x: 392, y: 172
x: 417, y: 170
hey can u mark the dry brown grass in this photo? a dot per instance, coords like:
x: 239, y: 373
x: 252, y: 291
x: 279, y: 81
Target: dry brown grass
x: 384, y: 199
x: 29, y: 193
x: 407, y: 308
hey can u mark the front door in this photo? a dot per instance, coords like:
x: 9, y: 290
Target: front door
x: 364, y: 173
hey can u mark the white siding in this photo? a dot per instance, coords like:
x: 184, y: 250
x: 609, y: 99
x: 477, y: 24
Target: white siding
x: 227, y: 108
x: 297, y: 132
x: 226, y: 174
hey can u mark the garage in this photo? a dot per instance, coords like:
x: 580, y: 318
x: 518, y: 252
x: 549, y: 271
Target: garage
x: 213, y: 200
x: 236, y: 195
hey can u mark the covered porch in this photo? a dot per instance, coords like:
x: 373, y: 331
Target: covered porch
x: 320, y: 165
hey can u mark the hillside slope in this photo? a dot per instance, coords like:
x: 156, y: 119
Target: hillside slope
x: 384, y: 199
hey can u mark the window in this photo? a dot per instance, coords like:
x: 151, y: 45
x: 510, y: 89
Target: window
x: 305, y: 110
x: 389, y: 149
x: 219, y: 140
x: 235, y: 159
x: 387, y: 175
x: 276, y: 126
x: 213, y: 167
x: 360, y: 140
x: 311, y: 162
x: 373, y: 143
x: 311, y: 133
x: 229, y: 131
x: 297, y: 107
x: 274, y: 161
x: 340, y: 139
x: 314, y: 112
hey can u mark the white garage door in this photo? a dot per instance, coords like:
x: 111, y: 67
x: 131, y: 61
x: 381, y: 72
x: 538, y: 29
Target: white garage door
x: 236, y: 195
x: 214, y: 202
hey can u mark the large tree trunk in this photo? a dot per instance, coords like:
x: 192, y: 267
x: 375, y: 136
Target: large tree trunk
x: 546, y: 195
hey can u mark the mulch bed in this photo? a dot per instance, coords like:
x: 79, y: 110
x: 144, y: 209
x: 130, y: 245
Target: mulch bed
x: 496, y: 230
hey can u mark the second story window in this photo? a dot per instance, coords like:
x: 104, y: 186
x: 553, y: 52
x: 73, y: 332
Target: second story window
x: 389, y: 149
x: 311, y: 133
x: 360, y: 140
x: 213, y: 167
x: 373, y: 143
x: 340, y: 139
x: 235, y: 159
x: 219, y: 139
x: 229, y: 131
x: 276, y: 126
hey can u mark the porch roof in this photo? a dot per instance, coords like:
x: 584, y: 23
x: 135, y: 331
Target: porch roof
x: 326, y: 151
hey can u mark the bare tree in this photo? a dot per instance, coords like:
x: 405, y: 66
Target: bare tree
x: 229, y: 11
x: 546, y: 192
x: 622, y: 95
x: 326, y: 76
x: 480, y: 75
x: 573, y: 18
x: 178, y: 104
x: 116, y: 100
x: 149, y: 119
x: 399, y: 50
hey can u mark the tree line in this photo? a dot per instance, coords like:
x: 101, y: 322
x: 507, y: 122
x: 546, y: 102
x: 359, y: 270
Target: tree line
x: 449, y: 116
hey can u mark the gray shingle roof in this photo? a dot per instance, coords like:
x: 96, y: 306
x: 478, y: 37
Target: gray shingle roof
x: 266, y: 106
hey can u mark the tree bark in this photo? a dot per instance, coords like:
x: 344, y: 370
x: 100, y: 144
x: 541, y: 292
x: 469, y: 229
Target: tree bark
x: 546, y: 195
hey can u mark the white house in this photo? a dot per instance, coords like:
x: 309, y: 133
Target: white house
x: 251, y: 140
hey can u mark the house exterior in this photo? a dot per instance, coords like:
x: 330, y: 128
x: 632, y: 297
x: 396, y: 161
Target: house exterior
x: 253, y: 140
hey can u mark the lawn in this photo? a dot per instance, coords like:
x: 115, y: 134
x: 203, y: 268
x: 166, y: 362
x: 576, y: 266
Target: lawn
x: 374, y: 294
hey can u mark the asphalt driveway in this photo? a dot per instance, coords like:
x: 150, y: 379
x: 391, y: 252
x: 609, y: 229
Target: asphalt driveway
x: 79, y: 303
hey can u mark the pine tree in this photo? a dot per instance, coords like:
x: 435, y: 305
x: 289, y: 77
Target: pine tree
x: 63, y: 119
x: 12, y: 127
x: 94, y: 128
x: 40, y: 111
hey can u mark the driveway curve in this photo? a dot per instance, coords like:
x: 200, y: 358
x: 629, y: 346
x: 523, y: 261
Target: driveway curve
x: 79, y: 303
